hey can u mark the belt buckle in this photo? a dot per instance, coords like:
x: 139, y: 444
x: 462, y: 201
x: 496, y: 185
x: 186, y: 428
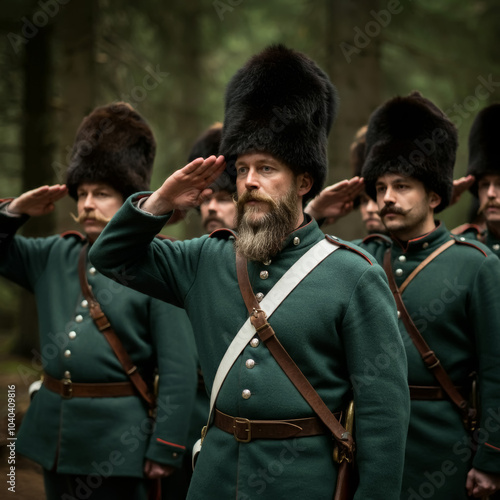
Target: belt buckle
x: 238, y: 420
x: 67, y: 389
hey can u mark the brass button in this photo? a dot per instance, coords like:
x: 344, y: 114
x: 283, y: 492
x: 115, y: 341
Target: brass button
x: 84, y: 303
x: 250, y: 363
x: 496, y: 247
x: 175, y: 454
x: 399, y: 272
x: 79, y: 318
x: 67, y: 353
x: 255, y: 342
x: 402, y: 258
x: 399, y: 314
x: 67, y: 374
x: 72, y: 335
x: 267, y: 262
x: 246, y: 394
x: 264, y: 275
x: 92, y: 270
x: 296, y: 241
x: 425, y: 245
x: 259, y: 296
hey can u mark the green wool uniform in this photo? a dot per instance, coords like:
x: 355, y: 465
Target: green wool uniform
x: 107, y: 436
x: 337, y: 325
x: 473, y: 232
x: 453, y: 302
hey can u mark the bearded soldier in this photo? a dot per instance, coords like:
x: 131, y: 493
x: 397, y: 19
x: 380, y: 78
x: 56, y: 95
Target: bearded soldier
x: 90, y: 425
x: 265, y: 440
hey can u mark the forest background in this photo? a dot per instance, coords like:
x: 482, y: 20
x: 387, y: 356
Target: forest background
x: 172, y: 60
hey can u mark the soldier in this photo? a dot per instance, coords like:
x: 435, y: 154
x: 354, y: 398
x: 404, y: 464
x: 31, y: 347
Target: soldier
x: 337, y: 324
x: 89, y: 426
x: 451, y: 299
x: 484, y: 165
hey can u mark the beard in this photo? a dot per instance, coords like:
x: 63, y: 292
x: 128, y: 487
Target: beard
x: 260, y: 238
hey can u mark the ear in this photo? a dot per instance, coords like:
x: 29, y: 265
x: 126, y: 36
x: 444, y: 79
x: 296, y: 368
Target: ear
x: 434, y: 200
x: 304, y: 183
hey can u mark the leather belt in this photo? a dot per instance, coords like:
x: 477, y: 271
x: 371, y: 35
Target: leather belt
x: 429, y: 393
x: 245, y: 430
x: 67, y: 389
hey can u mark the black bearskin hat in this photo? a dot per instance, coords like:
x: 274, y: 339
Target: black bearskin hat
x: 411, y: 136
x: 280, y: 102
x: 484, y: 153
x: 114, y: 145
x: 207, y: 145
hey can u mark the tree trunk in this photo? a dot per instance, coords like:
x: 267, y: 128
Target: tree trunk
x: 353, y: 63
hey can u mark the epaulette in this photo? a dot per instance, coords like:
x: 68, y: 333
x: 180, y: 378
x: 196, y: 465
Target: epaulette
x: 343, y: 244
x: 377, y: 236
x: 74, y: 234
x: 164, y: 237
x: 467, y: 227
x: 223, y: 233
x: 462, y: 241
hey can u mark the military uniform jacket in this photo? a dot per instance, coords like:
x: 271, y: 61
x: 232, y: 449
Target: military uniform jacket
x: 454, y: 302
x: 471, y: 231
x: 337, y: 325
x: 99, y: 435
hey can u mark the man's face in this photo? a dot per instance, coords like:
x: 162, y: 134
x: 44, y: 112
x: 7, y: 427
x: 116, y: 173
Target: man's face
x: 488, y: 190
x: 96, y: 204
x: 369, y: 215
x: 218, y: 211
x: 405, y: 207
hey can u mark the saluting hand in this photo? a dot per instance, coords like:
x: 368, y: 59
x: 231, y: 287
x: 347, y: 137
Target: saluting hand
x: 186, y: 187
x: 335, y: 201
x: 460, y: 186
x: 39, y: 201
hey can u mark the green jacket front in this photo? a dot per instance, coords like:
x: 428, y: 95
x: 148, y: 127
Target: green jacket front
x: 454, y: 302
x: 338, y: 325
x: 105, y: 435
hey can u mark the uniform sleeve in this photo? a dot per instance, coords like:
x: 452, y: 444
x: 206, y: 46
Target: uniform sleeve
x: 485, y: 312
x: 127, y: 252
x: 377, y: 366
x: 177, y: 364
x: 22, y: 260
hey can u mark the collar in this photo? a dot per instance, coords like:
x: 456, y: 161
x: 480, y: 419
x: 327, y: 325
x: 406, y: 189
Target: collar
x: 305, y: 234
x: 429, y: 241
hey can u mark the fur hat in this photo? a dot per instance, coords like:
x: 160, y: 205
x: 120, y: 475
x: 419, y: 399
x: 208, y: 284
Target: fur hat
x: 282, y: 103
x: 484, y: 153
x: 411, y: 136
x: 207, y: 145
x: 114, y: 145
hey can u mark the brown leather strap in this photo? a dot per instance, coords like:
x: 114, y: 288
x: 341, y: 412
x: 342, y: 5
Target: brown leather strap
x: 68, y: 389
x: 429, y: 357
x: 292, y: 371
x: 245, y: 430
x: 426, y: 261
x: 429, y: 393
x: 105, y: 328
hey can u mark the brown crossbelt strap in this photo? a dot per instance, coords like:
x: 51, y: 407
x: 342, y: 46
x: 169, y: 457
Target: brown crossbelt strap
x: 68, y: 389
x: 105, y: 328
x: 245, y: 430
x: 292, y: 371
x: 429, y: 357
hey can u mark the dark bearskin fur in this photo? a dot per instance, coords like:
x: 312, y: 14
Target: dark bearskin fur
x: 114, y: 145
x: 484, y: 153
x: 411, y: 136
x: 280, y: 102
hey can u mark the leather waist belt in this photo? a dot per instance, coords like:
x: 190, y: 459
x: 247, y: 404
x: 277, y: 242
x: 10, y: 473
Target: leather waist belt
x: 67, y: 389
x: 245, y: 430
x: 429, y: 393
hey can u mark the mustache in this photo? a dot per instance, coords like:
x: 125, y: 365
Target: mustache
x: 93, y: 214
x: 388, y: 209
x: 254, y: 196
x: 487, y: 204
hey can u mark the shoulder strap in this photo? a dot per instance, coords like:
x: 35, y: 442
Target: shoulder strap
x: 428, y: 356
x: 270, y: 303
x: 105, y: 328
x: 267, y: 335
